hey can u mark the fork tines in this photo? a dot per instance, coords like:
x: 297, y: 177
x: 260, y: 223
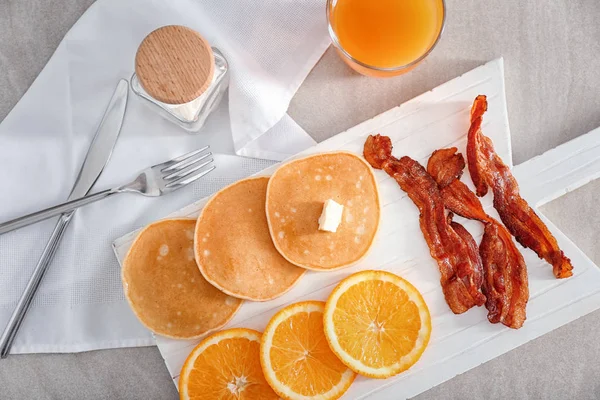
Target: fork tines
x: 187, y: 168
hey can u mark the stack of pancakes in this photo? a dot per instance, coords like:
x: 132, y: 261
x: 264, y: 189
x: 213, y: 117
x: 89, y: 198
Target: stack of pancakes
x: 252, y: 241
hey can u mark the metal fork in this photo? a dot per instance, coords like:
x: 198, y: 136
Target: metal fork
x: 153, y: 181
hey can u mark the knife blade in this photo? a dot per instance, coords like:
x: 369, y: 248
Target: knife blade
x: 96, y: 159
x: 103, y: 143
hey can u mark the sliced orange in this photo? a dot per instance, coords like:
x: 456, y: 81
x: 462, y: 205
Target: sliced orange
x: 377, y: 323
x: 295, y: 357
x: 224, y: 366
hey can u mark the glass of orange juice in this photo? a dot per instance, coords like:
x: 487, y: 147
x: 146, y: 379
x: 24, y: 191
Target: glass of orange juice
x: 385, y: 37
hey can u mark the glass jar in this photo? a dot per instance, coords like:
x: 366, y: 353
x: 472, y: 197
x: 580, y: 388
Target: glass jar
x: 180, y: 75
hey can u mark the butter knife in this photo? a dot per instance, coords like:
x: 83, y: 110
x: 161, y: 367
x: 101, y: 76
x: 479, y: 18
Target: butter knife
x: 96, y: 159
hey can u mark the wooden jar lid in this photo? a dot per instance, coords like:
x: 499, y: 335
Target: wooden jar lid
x: 174, y: 64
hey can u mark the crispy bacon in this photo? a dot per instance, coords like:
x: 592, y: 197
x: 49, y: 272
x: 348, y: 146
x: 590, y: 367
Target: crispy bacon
x: 446, y: 166
x: 459, y: 199
x: 505, y: 273
x: 505, y: 283
x: 472, y: 251
x: 488, y: 169
x: 377, y: 150
x: 461, y: 275
x: 473, y: 157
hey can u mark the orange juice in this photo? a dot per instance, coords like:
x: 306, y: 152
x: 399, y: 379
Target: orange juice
x: 386, y: 33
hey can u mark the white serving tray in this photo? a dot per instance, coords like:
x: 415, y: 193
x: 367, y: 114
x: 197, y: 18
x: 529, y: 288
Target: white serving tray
x: 434, y: 120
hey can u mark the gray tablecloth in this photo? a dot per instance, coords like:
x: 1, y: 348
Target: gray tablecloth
x: 551, y: 50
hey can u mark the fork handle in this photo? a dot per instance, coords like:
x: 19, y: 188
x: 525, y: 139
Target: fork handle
x: 53, y: 211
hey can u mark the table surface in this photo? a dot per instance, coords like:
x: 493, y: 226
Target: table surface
x: 552, y: 58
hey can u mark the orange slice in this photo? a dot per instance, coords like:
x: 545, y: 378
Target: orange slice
x: 224, y: 366
x: 377, y: 323
x: 295, y: 357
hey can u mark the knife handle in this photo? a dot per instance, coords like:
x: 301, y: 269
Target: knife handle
x: 54, y: 211
x: 14, y: 323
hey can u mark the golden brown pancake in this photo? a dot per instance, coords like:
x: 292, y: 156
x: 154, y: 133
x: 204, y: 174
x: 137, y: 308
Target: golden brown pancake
x: 233, y: 247
x: 295, y: 197
x: 164, y: 287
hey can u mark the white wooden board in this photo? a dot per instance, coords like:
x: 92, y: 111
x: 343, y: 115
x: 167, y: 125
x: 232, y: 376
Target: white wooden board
x: 435, y: 120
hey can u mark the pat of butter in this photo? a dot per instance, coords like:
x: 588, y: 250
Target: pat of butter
x: 331, y: 216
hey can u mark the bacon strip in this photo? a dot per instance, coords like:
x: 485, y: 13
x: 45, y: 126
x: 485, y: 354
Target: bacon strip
x: 473, y: 157
x: 446, y: 167
x: 488, y: 169
x: 472, y: 253
x: 505, y: 273
x: 505, y: 277
x: 461, y: 274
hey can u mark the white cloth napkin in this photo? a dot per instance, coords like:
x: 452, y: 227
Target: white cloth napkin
x: 271, y: 46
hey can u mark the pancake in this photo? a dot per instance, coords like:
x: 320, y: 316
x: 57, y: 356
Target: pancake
x: 295, y: 198
x: 233, y: 247
x: 164, y: 287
